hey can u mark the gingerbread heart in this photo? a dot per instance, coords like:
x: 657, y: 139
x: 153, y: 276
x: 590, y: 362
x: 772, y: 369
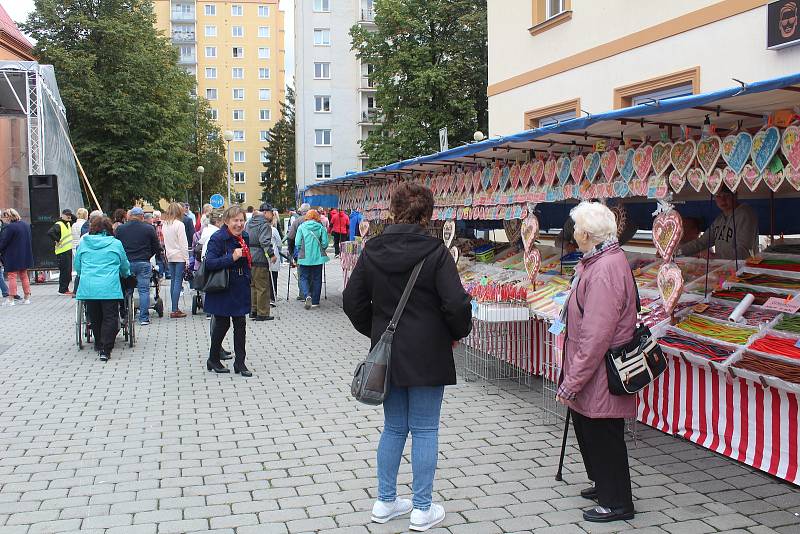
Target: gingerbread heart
x: 591, y: 165
x: 772, y: 179
x: 670, y: 285
x: 537, y: 171
x: 455, y: 253
x: 696, y: 177
x: 505, y: 177
x: 790, y: 145
x: 608, y: 164
x: 731, y: 178
x: 513, y: 230
x: 497, y: 173
x: 751, y: 177
x: 708, y: 151
x: 765, y: 144
x: 530, y: 231
x: 477, y: 180
x: 667, y: 233
x: 792, y: 175
x: 550, y: 171
x: 533, y: 260
x: 363, y: 228
x: 736, y: 150
x: 676, y: 181
x: 562, y: 169
x: 643, y: 161
x: 448, y: 233
x: 714, y: 181
x: 682, y: 154
x: 621, y: 189
x: 657, y: 187
x: 576, y: 168
x: 625, y: 163
x: 661, y: 157
x: 515, y: 172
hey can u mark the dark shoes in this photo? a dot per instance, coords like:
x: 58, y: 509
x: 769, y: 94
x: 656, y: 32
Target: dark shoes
x: 252, y: 315
x: 300, y: 298
x: 264, y: 318
x: 104, y: 356
x: 242, y: 370
x: 589, y: 493
x: 225, y: 355
x: 600, y: 514
x: 216, y: 367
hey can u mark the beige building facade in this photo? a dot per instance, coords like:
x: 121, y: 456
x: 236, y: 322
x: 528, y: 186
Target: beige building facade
x: 556, y: 59
x: 236, y: 51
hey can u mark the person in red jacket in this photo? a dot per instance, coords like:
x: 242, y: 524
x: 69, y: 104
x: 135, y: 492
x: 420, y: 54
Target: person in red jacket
x: 339, y: 228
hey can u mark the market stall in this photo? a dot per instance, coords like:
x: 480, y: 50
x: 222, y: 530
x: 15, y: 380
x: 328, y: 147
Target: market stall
x: 729, y: 325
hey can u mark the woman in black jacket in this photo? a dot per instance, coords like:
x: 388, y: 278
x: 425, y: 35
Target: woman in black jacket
x: 438, y: 313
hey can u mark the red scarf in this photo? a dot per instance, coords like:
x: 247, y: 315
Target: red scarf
x: 245, y: 249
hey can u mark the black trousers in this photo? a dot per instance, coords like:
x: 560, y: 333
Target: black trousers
x: 104, y: 316
x: 337, y: 240
x: 274, y: 294
x: 220, y: 326
x: 605, y: 456
x: 64, y: 270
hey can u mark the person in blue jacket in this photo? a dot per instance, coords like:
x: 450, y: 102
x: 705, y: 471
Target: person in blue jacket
x: 311, y: 242
x: 355, y: 220
x: 101, y: 261
x: 227, y: 249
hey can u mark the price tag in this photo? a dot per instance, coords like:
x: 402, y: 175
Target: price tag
x: 700, y: 308
x: 782, y: 305
x: 556, y: 328
x: 560, y: 298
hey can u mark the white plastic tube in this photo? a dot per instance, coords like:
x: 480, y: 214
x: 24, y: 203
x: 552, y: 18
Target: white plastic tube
x: 738, y: 312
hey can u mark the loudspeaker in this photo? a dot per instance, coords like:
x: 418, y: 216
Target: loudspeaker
x: 44, y: 253
x: 43, y: 193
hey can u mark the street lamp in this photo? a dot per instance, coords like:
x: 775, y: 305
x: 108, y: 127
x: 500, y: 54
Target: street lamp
x: 228, y: 135
x: 200, y: 171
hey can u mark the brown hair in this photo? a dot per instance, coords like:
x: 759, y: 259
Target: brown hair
x: 312, y: 215
x: 174, y: 212
x: 232, y: 212
x: 411, y: 204
x: 120, y: 215
x: 99, y: 225
x: 12, y: 214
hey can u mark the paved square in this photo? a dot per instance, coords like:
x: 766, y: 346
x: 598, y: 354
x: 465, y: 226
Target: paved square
x: 151, y: 443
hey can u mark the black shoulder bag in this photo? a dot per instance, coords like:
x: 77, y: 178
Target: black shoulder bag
x: 371, y: 379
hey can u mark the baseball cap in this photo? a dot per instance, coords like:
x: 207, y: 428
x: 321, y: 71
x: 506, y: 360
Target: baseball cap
x: 304, y: 207
x: 137, y: 211
x: 66, y: 212
x: 266, y: 206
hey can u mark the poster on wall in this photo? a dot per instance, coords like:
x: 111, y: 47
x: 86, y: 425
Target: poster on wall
x: 782, y: 24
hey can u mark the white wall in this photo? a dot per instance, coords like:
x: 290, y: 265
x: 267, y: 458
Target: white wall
x: 731, y: 48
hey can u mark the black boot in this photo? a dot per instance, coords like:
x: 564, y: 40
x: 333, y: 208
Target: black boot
x: 241, y: 369
x: 589, y: 493
x: 217, y: 367
x: 225, y: 354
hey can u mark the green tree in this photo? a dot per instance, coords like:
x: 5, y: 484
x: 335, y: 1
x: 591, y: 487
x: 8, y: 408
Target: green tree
x: 279, y: 178
x: 429, y: 61
x: 128, y: 102
x: 208, y: 148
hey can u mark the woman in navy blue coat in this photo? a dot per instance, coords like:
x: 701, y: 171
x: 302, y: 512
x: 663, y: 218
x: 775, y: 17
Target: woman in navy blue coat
x: 16, y: 251
x: 227, y: 249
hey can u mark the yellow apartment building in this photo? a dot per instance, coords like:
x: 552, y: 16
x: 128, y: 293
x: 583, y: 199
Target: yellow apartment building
x: 235, y: 49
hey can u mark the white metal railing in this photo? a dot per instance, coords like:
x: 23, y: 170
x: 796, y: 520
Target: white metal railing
x: 180, y: 15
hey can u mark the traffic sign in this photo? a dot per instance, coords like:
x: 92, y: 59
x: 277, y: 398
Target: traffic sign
x: 217, y: 201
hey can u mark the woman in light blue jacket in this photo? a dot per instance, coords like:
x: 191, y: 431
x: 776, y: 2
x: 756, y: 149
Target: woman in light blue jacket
x: 101, y: 262
x: 311, y: 242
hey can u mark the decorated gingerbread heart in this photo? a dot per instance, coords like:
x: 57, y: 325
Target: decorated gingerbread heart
x: 792, y: 175
x: 751, y: 177
x: 667, y: 233
x: 515, y: 172
x: 731, y: 178
x: 625, y: 165
x: 363, y: 228
x: 513, y: 230
x: 550, y: 171
x: 537, y: 172
x: 530, y: 231
x: 533, y: 260
x: 736, y: 150
x: 676, y: 181
x: 765, y: 144
x: 670, y: 285
x: 448, y: 233
x: 696, y: 177
x: 714, y: 181
x: 562, y: 169
x: 608, y: 164
x: 591, y: 165
x: 576, y: 168
x: 643, y: 161
x: 661, y: 160
x: 790, y: 145
x: 477, y: 180
x: 772, y: 179
x: 708, y: 151
x: 682, y: 154
x: 455, y: 253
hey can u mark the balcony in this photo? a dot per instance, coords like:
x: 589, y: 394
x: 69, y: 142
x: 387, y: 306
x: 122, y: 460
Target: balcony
x: 180, y: 16
x: 370, y: 116
x: 183, y: 37
x: 367, y: 84
x: 187, y: 60
x: 368, y: 16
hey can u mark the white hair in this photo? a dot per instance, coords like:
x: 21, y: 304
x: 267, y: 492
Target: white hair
x: 596, y: 220
x: 156, y: 213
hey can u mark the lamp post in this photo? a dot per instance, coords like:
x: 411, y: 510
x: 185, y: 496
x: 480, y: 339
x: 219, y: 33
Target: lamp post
x: 200, y: 171
x: 228, y: 135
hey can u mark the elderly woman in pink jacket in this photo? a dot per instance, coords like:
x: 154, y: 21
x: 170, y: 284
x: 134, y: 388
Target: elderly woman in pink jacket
x: 600, y: 314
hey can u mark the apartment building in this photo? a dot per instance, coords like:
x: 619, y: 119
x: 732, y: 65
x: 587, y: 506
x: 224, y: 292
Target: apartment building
x: 236, y: 51
x: 335, y: 97
x: 551, y: 60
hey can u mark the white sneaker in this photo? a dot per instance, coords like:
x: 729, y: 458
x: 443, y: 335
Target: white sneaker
x: 26, y: 301
x: 308, y: 303
x: 422, y: 521
x: 12, y: 303
x: 386, y: 511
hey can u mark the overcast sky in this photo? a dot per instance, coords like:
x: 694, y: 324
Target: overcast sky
x: 19, y: 10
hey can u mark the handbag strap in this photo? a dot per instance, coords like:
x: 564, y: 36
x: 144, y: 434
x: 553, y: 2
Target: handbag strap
x: 404, y: 299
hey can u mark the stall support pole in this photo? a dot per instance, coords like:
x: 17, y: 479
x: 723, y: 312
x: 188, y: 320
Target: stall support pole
x: 771, y: 217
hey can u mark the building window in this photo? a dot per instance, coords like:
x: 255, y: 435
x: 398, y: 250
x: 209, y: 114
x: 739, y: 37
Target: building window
x: 211, y: 94
x: 238, y: 135
x: 238, y: 177
x: 241, y: 198
x: 322, y: 137
x: 263, y: 32
x: 323, y: 170
x: 264, y: 156
x: 263, y: 11
x: 238, y: 94
x: 264, y: 176
x: 211, y: 73
x: 265, y: 94
x: 211, y: 51
x: 238, y: 51
x: 211, y: 31
x: 210, y: 10
x: 548, y: 14
x: 322, y: 103
x: 263, y: 52
x: 322, y: 37
x: 238, y: 156
x: 238, y: 114
x: 237, y: 73
x: 263, y: 73
x: 370, y: 102
x: 237, y: 10
x: 263, y: 136
x: 554, y: 7
x: 213, y: 114
x: 264, y: 114
x: 187, y: 52
x: 322, y: 71
x: 237, y: 31
x: 681, y: 83
x: 322, y: 6
x: 550, y: 114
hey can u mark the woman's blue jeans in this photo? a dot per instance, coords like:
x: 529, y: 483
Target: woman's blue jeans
x: 176, y: 269
x: 3, y: 286
x: 414, y: 409
x: 311, y: 282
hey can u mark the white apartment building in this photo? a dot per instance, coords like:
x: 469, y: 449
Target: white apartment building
x: 335, y: 100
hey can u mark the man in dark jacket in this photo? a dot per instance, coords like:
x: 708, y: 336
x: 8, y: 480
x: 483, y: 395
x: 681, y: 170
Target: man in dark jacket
x: 141, y: 243
x: 259, y: 229
x: 61, y: 234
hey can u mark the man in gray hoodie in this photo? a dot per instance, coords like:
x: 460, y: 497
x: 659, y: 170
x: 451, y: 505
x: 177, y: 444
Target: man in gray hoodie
x: 259, y: 231
x: 304, y: 207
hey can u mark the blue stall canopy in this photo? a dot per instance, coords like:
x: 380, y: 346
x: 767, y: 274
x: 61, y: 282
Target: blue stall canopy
x: 742, y: 106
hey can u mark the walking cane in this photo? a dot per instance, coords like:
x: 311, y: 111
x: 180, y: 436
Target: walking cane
x: 324, y: 281
x: 563, y: 446
x: 289, y: 280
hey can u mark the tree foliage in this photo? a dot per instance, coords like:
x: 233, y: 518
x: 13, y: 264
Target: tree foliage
x: 430, y: 68
x: 279, y: 181
x: 131, y: 115
x: 209, y: 152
